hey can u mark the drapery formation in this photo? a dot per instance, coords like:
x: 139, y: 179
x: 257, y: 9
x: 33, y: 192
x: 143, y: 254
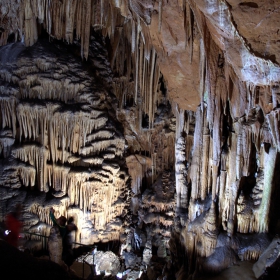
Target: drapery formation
x: 124, y: 22
x: 226, y: 153
x: 65, y: 141
x: 235, y: 148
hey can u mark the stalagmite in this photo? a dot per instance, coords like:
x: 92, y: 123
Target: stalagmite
x: 180, y: 164
x: 197, y: 150
x: 269, y: 163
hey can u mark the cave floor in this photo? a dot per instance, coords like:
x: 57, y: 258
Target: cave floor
x: 241, y: 271
x: 79, y: 269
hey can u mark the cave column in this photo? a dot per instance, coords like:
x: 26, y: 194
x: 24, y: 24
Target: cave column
x: 269, y: 164
x: 180, y: 164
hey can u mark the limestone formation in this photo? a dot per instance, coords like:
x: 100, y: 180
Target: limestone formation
x: 269, y: 258
x: 74, y: 165
x: 151, y: 122
x: 106, y: 262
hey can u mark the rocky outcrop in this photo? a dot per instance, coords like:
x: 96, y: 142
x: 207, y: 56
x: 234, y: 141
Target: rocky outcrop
x: 268, y: 260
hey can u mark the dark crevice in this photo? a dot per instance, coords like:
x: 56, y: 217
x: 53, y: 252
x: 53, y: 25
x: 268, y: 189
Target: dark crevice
x: 249, y: 4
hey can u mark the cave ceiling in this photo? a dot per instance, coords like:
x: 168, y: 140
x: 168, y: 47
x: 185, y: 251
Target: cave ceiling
x: 174, y: 28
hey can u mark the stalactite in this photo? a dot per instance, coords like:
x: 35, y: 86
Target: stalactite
x: 136, y: 60
x: 256, y: 131
x: 141, y: 68
x: 5, y: 75
x: 68, y: 131
x: 70, y: 10
x: 86, y: 23
x: 37, y: 157
x: 239, y: 158
x: 188, y: 26
x: 27, y: 175
x: 202, y: 69
x: 217, y: 132
x: 7, y: 117
x: 139, y: 167
x: 115, y: 46
x: 6, y: 143
x: 244, y: 213
x: 247, y: 147
x: 59, y: 178
x: 151, y: 116
x: 32, y: 121
x: 210, y: 231
x: 159, y: 15
x: 205, y: 165
x: 101, y: 11
x: 273, y: 120
x: 134, y: 42
x: 30, y: 24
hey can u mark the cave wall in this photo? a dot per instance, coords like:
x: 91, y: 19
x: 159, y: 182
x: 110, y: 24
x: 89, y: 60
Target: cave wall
x: 58, y: 139
x: 71, y: 140
x: 197, y: 90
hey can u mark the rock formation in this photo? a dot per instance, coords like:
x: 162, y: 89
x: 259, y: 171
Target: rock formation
x: 151, y: 122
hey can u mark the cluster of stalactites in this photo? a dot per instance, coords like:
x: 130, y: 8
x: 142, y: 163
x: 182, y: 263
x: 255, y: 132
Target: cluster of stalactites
x: 68, y: 130
x: 242, y: 145
x: 66, y: 143
x: 35, y: 156
x: 59, y: 177
x: 125, y: 25
x: 161, y: 147
x: 232, y: 125
x: 138, y: 166
x: 188, y: 26
x: 168, y: 155
x: 54, y: 88
x: 242, y: 106
x: 7, y: 116
x: 201, y: 165
x: 94, y: 194
x: 99, y: 193
x: 134, y: 39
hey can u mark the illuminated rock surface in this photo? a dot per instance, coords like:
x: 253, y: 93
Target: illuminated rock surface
x: 153, y: 123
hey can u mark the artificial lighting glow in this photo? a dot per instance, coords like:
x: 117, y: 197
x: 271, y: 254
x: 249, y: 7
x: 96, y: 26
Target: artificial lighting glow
x: 7, y: 232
